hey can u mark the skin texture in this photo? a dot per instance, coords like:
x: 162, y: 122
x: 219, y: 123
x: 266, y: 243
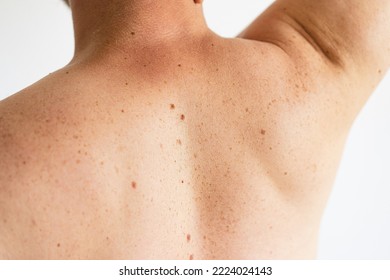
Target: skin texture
x: 162, y: 140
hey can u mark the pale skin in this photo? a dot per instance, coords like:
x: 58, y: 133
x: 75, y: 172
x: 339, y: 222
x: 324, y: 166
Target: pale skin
x: 163, y: 140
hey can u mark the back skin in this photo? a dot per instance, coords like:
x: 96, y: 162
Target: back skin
x: 200, y: 147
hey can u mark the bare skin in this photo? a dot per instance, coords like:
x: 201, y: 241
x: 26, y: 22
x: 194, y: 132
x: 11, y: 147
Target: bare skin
x: 162, y: 140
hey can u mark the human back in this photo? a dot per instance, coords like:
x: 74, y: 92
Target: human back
x: 192, y: 148
x: 176, y: 156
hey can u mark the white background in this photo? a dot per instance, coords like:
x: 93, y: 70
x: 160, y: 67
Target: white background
x: 36, y: 38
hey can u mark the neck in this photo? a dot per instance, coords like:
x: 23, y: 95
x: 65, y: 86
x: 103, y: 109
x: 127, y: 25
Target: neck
x: 123, y: 23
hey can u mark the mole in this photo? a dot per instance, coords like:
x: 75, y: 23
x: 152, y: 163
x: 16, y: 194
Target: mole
x: 58, y: 245
x: 182, y: 117
x: 188, y: 237
x: 122, y: 111
x: 172, y: 106
x: 285, y: 173
x: 178, y: 141
x: 198, y: 1
x: 263, y: 132
x: 132, y: 33
x: 134, y: 185
x: 179, y: 65
x: 191, y: 257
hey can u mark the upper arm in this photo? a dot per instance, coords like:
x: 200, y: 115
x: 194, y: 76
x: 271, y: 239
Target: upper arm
x: 348, y: 41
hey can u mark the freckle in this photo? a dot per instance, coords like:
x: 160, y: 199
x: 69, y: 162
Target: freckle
x: 380, y: 71
x: 58, y: 245
x: 182, y: 117
x: 191, y: 257
x: 78, y: 161
x: 122, y: 111
x: 102, y: 163
x: 47, y: 121
x: 188, y: 237
x: 127, y: 84
x: 75, y: 137
x: 285, y: 173
x: 5, y: 221
x: 144, y: 65
x: 134, y: 185
x: 270, y: 148
x: 24, y: 162
x: 178, y: 141
x: 173, y: 107
x: 179, y: 65
x: 212, y: 45
x: 204, y: 237
x: 263, y: 132
x: 107, y: 238
x: 217, y: 69
x: 67, y: 72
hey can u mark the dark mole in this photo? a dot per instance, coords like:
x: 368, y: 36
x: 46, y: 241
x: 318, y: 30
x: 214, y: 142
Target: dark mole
x: 191, y: 257
x: 134, y: 185
x: 58, y: 245
x: 179, y: 65
x: 212, y: 45
x: 182, y: 117
x: 172, y: 106
x: 182, y: 181
x: 132, y: 33
x: 263, y: 132
x: 188, y: 237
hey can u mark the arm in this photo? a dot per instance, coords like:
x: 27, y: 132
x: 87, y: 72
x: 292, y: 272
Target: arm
x: 346, y: 40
